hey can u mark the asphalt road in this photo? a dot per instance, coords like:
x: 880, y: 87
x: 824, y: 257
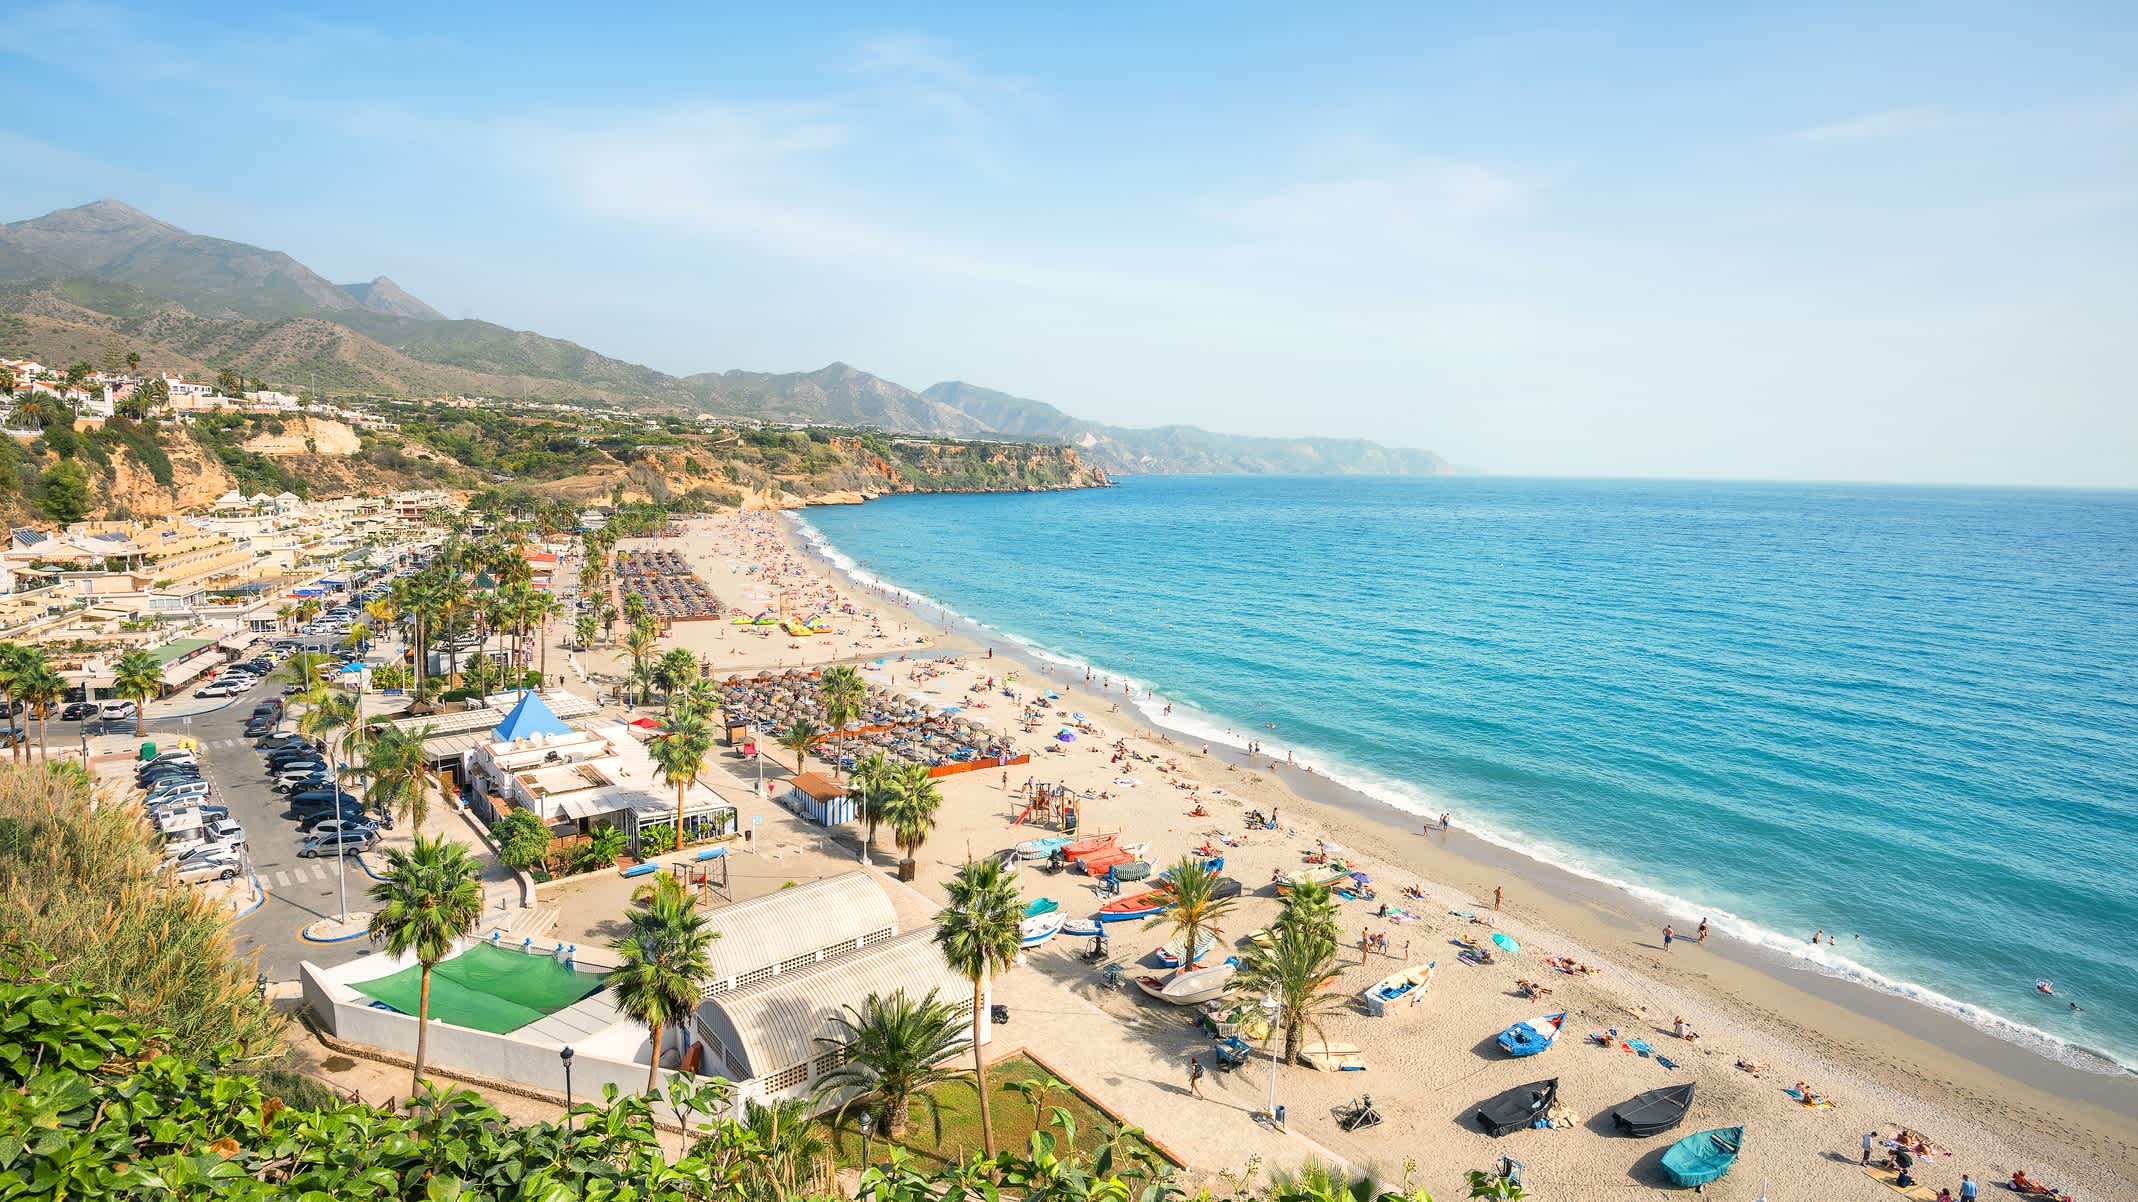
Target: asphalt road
x: 299, y: 891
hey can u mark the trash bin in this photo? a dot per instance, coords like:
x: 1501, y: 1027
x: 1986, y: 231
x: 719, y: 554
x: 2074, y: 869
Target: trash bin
x: 148, y: 751
x: 1280, y: 1114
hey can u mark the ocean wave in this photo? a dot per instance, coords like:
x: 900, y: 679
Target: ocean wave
x: 1407, y: 797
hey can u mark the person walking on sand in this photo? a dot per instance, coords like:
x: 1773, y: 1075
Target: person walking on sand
x: 1495, y: 897
x: 1869, y: 1138
x: 1703, y: 929
x: 1968, y: 1188
x: 1195, y: 1076
x: 1669, y: 933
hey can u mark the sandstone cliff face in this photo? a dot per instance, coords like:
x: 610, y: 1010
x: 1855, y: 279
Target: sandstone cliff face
x: 197, y: 479
x: 307, y: 436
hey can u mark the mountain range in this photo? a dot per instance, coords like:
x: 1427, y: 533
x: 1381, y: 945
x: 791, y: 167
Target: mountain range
x: 93, y: 282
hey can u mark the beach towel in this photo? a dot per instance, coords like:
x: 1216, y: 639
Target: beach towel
x: 1639, y: 1047
x: 1666, y: 1062
x: 1821, y: 1104
x: 1887, y: 1177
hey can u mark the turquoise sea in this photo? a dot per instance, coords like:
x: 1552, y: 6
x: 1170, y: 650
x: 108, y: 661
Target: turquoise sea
x: 1909, y: 714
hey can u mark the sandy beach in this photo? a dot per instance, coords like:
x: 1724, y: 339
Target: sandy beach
x: 1885, y: 1063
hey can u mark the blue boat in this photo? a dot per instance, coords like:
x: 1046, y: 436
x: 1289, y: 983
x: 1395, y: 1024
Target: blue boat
x: 1534, y: 1035
x: 1699, y: 1159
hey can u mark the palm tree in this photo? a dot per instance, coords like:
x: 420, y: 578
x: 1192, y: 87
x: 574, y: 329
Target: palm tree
x: 843, y: 693
x: 679, y: 756
x: 666, y: 960
x: 41, y: 690
x: 1293, y: 967
x: 428, y: 898
x: 638, y: 644
x: 911, y: 812
x: 790, y: 1150
x: 798, y: 738
x: 138, y: 677
x: 872, y: 779
x: 1196, y: 905
x: 634, y: 609
x: 399, y: 782
x: 16, y: 663
x: 326, y: 712
x: 672, y: 671
x: 980, y: 932
x: 895, y: 1049
x: 542, y: 609
x: 584, y: 630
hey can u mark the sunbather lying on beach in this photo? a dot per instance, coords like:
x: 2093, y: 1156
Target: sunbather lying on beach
x: 1413, y: 892
x: 1532, y: 990
x: 1679, y: 1028
x: 1754, y: 1067
x: 1811, y: 1097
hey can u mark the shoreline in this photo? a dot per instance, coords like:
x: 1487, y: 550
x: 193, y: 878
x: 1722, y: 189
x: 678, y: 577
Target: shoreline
x: 1899, y: 1045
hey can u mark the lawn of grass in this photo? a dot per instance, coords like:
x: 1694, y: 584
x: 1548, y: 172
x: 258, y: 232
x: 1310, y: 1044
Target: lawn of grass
x: 960, y: 1110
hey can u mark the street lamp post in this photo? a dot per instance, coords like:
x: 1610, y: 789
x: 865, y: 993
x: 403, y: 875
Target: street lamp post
x: 566, y: 1057
x: 868, y: 1124
x: 1270, y: 1008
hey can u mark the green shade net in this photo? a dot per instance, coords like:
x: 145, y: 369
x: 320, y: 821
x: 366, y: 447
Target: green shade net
x: 486, y: 987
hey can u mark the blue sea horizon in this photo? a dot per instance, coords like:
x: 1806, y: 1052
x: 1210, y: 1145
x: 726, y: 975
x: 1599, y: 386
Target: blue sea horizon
x: 1904, y: 712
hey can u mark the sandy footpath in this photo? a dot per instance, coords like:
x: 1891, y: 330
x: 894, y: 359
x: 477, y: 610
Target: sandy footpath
x: 1430, y: 1065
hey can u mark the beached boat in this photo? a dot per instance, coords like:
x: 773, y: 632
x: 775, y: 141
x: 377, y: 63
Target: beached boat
x: 1405, y: 987
x: 1654, y: 1112
x: 1135, y: 905
x: 1518, y: 1108
x: 1169, y: 954
x: 1328, y: 878
x: 1192, y: 987
x: 1134, y: 870
x: 1039, y: 928
x: 1082, y: 928
x: 1040, y: 849
x: 1531, y: 1036
x: 1700, y: 1159
x: 1044, y: 905
x: 1333, y: 1057
x: 1080, y: 848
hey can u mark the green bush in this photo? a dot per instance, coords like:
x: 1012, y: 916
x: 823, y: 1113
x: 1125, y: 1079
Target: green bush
x: 522, y: 839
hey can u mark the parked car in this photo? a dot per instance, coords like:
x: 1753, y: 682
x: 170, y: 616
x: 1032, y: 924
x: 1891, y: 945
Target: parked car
x: 328, y: 826
x: 311, y: 800
x: 346, y: 841
x: 113, y: 711
x: 274, y: 743
x: 157, y: 786
x: 224, y: 829
x: 271, y: 708
x: 224, y: 865
x: 292, y: 757
x: 78, y: 711
x: 258, y: 727
x: 348, y: 816
x: 218, y: 688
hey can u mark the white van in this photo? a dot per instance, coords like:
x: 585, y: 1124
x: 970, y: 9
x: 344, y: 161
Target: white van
x: 113, y: 711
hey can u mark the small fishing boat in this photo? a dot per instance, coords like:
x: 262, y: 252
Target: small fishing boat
x: 1040, y: 849
x: 1082, y: 928
x: 1405, y: 986
x: 1192, y: 987
x: 1333, y: 1057
x: 1044, y: 905
x: 1517, y: 1109
x: 1169, y: 954
x: 1285, y: 886
x: 1039, y: 928
x: 1654, y: 1112
x: 1531, y: 1036
x: 1136, y: 905
x: 1700, y: 1159
x: 1080, y: 848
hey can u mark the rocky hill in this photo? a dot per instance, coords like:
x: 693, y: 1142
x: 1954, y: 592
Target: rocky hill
x: 96, y: 282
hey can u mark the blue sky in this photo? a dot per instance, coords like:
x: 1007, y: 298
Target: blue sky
x: 1898, y: 244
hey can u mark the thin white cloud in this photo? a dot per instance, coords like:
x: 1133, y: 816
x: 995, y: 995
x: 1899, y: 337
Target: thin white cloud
x: 1886, y: 123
